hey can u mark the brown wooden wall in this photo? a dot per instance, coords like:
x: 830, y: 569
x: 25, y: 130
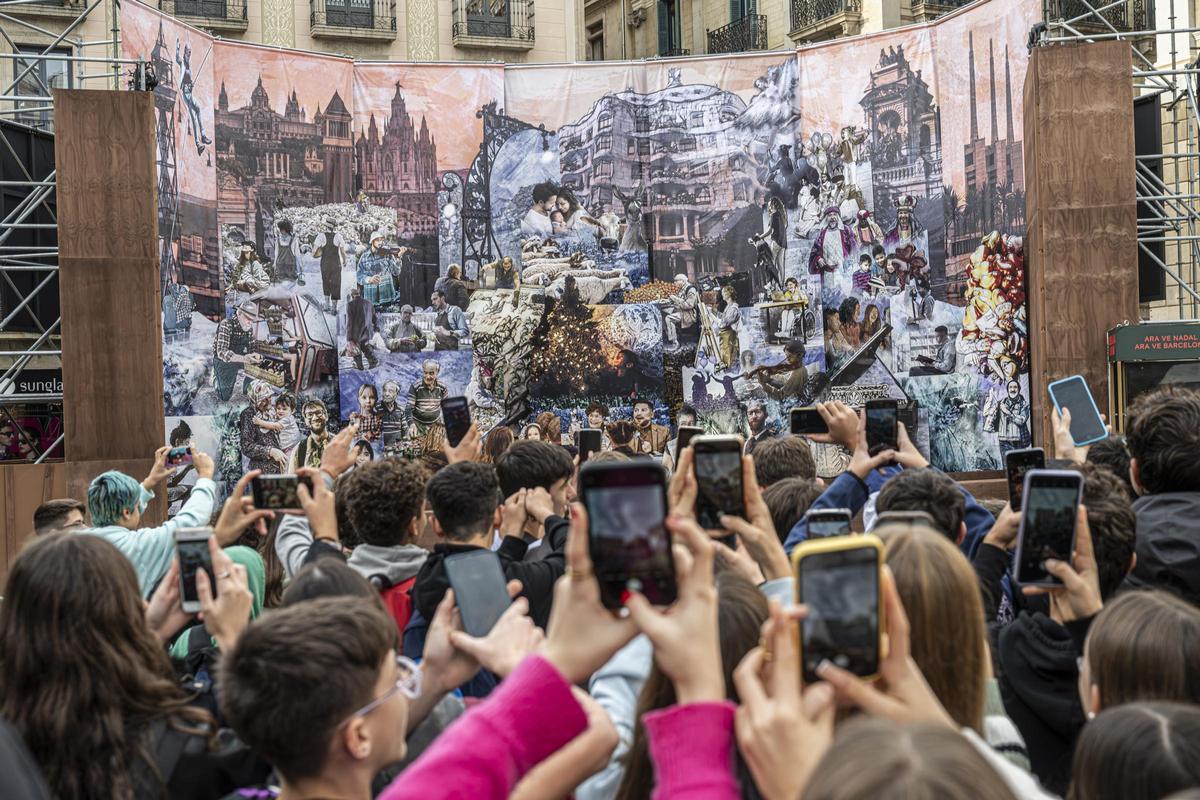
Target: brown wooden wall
x: 1081, y: 248
x: 23, y: 487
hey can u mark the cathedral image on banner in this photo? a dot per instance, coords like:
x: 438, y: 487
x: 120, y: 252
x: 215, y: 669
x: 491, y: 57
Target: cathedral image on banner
x: 593, y: 244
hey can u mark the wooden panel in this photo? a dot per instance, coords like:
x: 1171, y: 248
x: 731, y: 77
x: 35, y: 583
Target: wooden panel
x: 79, y: 476
x: 24, y: 487
x: 1080, y: 201
x: 104, y: 156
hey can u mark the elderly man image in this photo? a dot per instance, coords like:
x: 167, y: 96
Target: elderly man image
x: 450, y: 327
x: 682, y: 314
x: 404, y: 336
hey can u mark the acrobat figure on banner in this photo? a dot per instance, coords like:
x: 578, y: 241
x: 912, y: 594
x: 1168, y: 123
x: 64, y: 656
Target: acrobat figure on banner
x: 852, y: 150
x: 187, y: 86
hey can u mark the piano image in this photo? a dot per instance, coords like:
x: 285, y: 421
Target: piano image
x: 866, y: 359
x: 299, y: 349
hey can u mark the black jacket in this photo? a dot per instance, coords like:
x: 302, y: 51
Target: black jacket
x: 537, y: 577
x: 20, y: 778
x: 1039, y: 685
x: 1168, y: 544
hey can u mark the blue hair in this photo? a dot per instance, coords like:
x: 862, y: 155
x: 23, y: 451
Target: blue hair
x: 111, y: 493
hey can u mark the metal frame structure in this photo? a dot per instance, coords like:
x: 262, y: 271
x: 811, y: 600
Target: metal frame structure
x: 1169, y: 205
x: 91, y: 61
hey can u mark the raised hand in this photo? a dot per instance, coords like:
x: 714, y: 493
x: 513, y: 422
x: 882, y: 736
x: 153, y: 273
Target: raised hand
x: 226, y: 615
x: 862, y: 463
x: 686, y: 638
x: 318, y: 505
x: 159, y: 470
x: 164, y: 613
x: 239, y: 513
x: 468, y: 448
x: 1079, y: 596
x: 757, y: 532
x: 513, y: 515
x: 908, y: 456
x: 338, y: 455
x: 513, y: 637
x: 681, y: 493
x: 842, y: 423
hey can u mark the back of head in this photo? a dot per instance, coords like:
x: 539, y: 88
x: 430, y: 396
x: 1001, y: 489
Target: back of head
x: 1145, y: 645
x: 382, y: 499
x: 51, y: 515
x: 530, y: 464
x: 607, y: 455
x: 789, y: 500
x: 327, y: 577
x: 783, y: 457
x: 933, y: 577
x: 925, y: 490
x: 111, y: 493
x: 877, y: 759
x: 298, y: 672
x: 463, y: 498
x: 551, y: 426
x: 1112, y: 453
x: 1138, y: 751
x: 1112, y: 523
x: 498, y: 440
x: 71, y: 623
x: 1163, y: 432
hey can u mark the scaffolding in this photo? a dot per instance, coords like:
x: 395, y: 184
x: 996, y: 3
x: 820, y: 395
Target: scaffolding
x: 1168, y: 222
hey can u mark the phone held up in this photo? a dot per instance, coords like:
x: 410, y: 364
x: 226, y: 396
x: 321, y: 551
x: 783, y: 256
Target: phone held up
x: 883, y: 433
x: 480, y: 589
x: 686, y: 434
x: 717, y: 462
x: 178, y: 456
x: 456, y: 416
x: 588, y: 441
x: 1016, y: 464
x: 630, y: 545
x: 1073, y: 393
x: 191, y: 546
x: 825, y: 522
x: 839, y: 579
x: 808, y: 420
x: 278, y: 492
x: 1051, y: 502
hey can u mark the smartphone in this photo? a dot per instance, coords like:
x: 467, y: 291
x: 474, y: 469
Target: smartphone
x: 479, y: 589
x: 717, y: 461
x: 1016, y: 464
x: 456, y: 416
x: 191, y: 545
x: 882, y: 431
x: 823, y: 522
x: 909, y: 518
x: 278, y: 492
x: 1051, y: 501
x: 178, y: 456
x: 1073, y: 393
x: 588, y: 442
x: 626, y: 503
x: 839, y: 580
x: 686, y: 434
x: 808, y: 420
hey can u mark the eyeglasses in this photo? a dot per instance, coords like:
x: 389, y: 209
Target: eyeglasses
x: 408, y: 683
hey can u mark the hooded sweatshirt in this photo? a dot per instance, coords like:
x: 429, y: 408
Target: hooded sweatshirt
x: 396, y: 564
x: 1168, y: 544
x: 1039, y: 686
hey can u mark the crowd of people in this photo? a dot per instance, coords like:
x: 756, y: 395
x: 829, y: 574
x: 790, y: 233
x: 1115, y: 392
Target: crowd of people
x: 329, y: 658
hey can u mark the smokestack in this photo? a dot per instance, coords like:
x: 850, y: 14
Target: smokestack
x: 992, y: 82
x: 1008, y: 96
x: 971, y: 64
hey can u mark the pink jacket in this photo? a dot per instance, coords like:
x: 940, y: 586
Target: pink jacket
x: 532, y: 714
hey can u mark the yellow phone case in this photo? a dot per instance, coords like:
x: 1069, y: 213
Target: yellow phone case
x: 834, y: 544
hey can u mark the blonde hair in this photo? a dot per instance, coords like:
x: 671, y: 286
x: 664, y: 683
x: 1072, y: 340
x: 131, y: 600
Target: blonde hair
x: 940, y: 593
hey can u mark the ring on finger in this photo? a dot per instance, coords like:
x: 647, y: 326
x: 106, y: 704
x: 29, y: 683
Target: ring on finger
x: 223, y: 575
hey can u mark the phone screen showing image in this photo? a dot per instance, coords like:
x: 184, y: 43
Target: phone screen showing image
x: 882, y: 418
x: 1017, y: 463
x: 807, y: 421
x: 194, y: 556
x: 822, y: 524
x: 718, y: 483
x: 1047, y: 524
x: 841, y: 590
x: 627, y: 534
x: 456, y: 416
x: 178, y: 456
x: 278, y: 492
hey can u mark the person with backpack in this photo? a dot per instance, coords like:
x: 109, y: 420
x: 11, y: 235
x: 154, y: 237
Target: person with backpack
x: 330, y: 251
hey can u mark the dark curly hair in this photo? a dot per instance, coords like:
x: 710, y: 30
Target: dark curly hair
x: 925, y: 490
x: 382, y: 498
x: 1163, y: 432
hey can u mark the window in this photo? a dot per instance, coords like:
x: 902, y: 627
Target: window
x: 670, y: 225
x: 210, y: 9
x: 604, y: 123
x: 741, y: 8
x: 643, y: 147
x: 43, y: 75
x: 699, y: 169
x: 604, y: 142
x: 350, y: 13
x: 668, y: 27
x: 641, y: 123
x: 486, y: 18
x: 696, y: 120
x: 595, y: 41
x: 687, y: 144
x: 630, y: 147
x: 604, y: 169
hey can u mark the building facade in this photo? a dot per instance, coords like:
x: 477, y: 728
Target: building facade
x: 398, y: 168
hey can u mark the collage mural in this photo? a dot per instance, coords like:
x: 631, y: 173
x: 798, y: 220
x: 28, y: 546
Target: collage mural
x: 591, y: 245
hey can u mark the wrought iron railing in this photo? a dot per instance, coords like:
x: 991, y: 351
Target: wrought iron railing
x: 366, y: 15
x: 1132, y: 15
x: 223, y: 10
x: 806, y: 13
x: 676, y: 51
x: 497, y: 19
x: 747, y: 33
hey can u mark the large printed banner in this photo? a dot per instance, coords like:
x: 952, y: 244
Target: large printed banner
x: 592, y: 244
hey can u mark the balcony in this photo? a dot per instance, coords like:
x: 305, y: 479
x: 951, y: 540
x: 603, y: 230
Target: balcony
x: 676, y: 52
x: 739, y: 36
x: 213, y: 15
x: 1131, y: 15
x: 493, y: 24
x: 820, y: 20
x: 364, y: 20
x: 61, y: 9
x: 928, y: 10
